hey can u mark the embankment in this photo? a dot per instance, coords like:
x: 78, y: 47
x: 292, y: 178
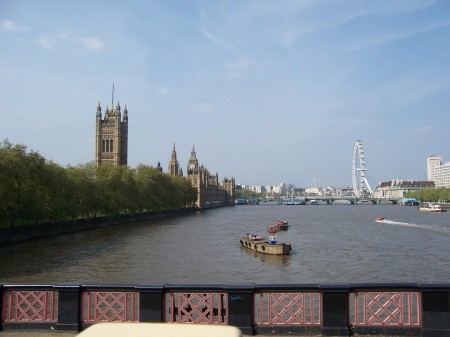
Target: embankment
x: 11, y: 235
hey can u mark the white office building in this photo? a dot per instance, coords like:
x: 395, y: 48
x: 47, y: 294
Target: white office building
x: 442, y: 175
x: 432, y: 162
x: 438, y: 172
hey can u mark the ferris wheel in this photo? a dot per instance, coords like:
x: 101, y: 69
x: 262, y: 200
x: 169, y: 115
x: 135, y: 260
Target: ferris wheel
x: 361, y: 186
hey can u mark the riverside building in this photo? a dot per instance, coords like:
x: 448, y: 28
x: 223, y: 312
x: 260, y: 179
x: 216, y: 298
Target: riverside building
x: 438, y: 172
x: 111, y: 136
x: 210, y: 191
x: 111, y: 148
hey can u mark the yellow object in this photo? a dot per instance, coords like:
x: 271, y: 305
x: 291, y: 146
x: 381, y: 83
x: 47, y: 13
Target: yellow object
x: 159, y: 330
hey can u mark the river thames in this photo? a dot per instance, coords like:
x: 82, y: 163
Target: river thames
x: 330, y: 244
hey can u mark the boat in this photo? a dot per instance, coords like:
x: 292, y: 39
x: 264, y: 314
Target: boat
x: 432, y: 207
x: 282, y: 225
x: 262, y: 245
x: 292, y: 201
x: 380, y: 219
x: 247, y: 201
x: 272, y: 229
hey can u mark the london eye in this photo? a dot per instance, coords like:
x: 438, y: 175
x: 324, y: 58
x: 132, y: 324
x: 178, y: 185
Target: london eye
x: 361, y: 186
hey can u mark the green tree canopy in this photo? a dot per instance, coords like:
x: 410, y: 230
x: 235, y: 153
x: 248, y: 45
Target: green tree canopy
x: 34, y: 190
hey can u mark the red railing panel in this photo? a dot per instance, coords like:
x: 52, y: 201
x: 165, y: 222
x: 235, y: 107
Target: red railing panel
x: 288, y: 309
x: 30, y: 306
x: 389, y: 308
x: 202, y: 308
x: 100, y: 306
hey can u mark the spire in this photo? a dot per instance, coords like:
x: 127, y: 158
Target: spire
x: 174, y: 153
x: 118, y: 108
x: 99, y: 110
x: 193, y: 154
x: 112, y: 96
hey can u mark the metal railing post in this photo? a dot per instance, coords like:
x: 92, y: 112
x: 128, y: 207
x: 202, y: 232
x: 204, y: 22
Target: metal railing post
x: 335, y: 315
x: 68, y: 307
x: 240, y: 307
x: 151, y: 304
x: 435, y: 310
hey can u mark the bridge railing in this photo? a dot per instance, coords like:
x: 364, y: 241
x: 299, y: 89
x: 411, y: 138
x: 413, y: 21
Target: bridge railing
x: 321, y: 309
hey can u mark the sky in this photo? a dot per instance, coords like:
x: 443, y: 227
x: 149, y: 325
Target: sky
x: 265, y: 91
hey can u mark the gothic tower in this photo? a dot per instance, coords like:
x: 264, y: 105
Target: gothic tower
x: 111, y: 136
x: 174, y: 166
x: 192, y: 164
x: 194, y: 176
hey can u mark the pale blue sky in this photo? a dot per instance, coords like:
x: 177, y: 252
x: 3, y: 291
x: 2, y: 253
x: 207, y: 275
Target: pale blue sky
x: 267, y: 91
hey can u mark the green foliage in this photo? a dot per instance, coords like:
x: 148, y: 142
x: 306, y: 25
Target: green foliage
x: 242, y: 193
x: 431, y: 195
x: 34, y: 190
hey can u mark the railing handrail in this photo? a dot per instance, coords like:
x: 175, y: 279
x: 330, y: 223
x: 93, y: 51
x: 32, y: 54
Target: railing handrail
x: 336, y: 306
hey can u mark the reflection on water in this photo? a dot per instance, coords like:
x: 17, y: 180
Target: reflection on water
x: 330, y: 243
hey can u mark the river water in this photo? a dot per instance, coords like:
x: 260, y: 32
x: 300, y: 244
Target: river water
x: 330, y: 243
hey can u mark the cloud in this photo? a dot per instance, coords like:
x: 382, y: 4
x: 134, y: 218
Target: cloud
x: 163, y: 91
x: 331, y: 18
x: 238, y: 65
x: 203, y: 106
x: 8, y: 25
x: 217, y: 41
x: 390, y: 37
x: 236, y: 68
x: 420, y: 130
x: 91, y: 43
x: 46, y: 41
x: 51, y: 41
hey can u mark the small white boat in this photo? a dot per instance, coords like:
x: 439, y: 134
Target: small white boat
x: 432, y: 207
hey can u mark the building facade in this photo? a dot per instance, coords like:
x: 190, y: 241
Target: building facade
x: 396, y: 189
x: 210, y: 191
x: 432, y: 162
x: 442, y: 175
x: 438, y: 172
x: 111, y: 136
x: 174, y: 168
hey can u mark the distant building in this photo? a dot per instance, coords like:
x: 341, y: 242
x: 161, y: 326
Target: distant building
x: 432, y: 162
x: 442, y: 175
x: 258, y: 189
x: 313, y: 191
x: 111, y: 136
x: 158, y: 167
x: 396, y: 189
x: 174, y: 166
x: 438, y: 172
x: 209, y: 190
x: 277, y: 190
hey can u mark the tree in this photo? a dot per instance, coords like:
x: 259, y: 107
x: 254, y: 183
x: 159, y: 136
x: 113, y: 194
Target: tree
x: 33, y: 190
x: 20, y: 182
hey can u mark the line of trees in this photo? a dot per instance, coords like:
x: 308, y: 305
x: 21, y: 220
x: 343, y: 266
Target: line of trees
x: 34, y: 190
x: 431, y: 194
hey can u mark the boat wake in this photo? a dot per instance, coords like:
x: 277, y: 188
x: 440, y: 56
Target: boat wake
x: 413, y: 225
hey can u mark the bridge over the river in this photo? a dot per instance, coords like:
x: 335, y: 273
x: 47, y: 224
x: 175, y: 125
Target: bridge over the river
x: 333, y: 199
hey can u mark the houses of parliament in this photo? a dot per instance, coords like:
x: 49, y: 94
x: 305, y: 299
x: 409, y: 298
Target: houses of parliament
x: 111, y: 148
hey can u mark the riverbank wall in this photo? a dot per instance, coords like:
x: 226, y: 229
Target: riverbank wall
x: 11, y: 235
